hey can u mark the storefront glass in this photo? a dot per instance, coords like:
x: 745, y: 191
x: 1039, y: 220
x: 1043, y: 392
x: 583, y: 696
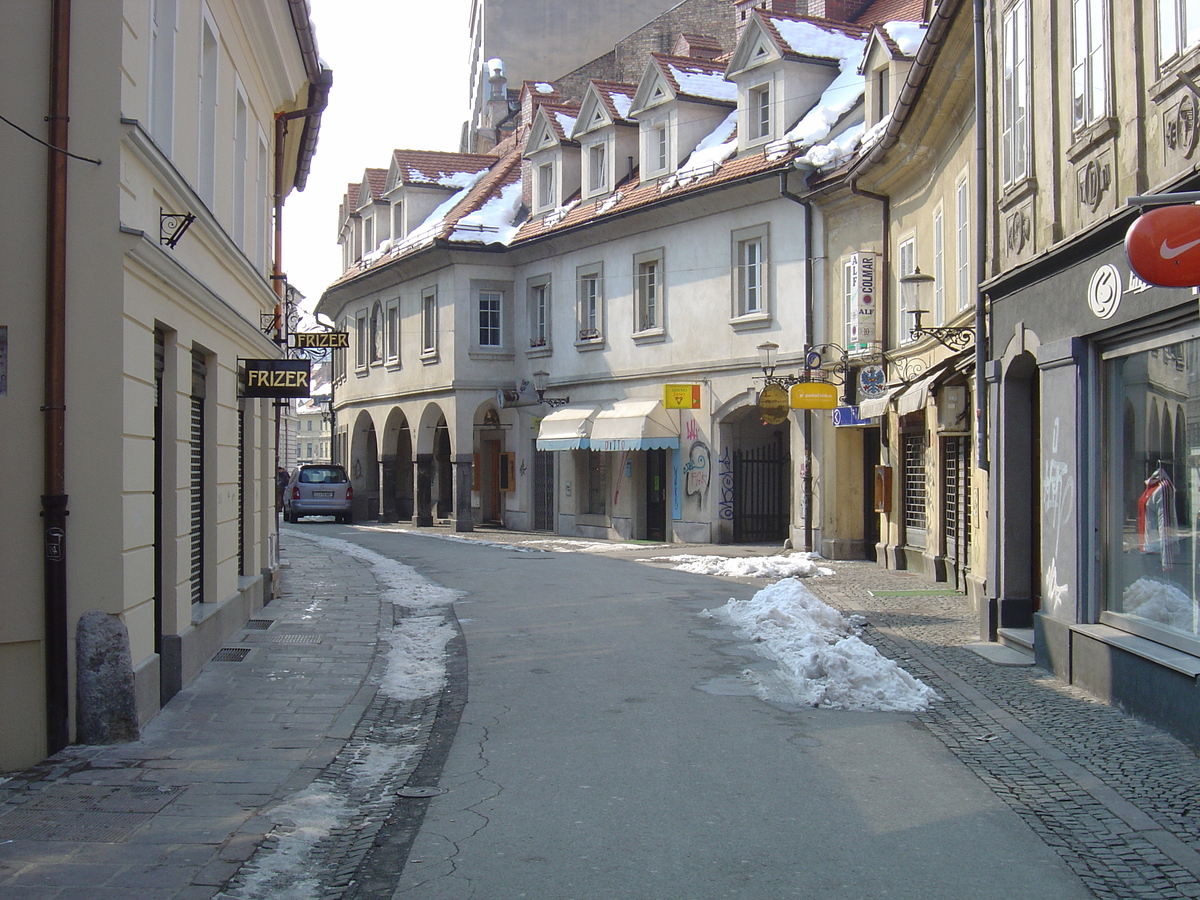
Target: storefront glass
x: 1153, y: 486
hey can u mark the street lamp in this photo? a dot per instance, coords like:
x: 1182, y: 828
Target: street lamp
x: 767, y: 354
x: 540, y: 378
x: 912, y: 286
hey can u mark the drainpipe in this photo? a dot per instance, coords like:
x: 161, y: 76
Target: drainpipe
x: 809, y: 317
x: 981, y: 397
x: 54, y: 497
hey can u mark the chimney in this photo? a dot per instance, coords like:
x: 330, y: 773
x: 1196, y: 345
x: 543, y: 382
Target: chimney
x: 497, y: 97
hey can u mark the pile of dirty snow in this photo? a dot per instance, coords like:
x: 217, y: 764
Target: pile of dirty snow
x: 822, y: 661
x: 796, y: 565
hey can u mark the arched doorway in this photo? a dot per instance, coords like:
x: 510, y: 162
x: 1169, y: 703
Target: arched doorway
x: 364, y: 468
x: 754, y: 473
x: 1021, y: 494
x: 399, y: 502
x: 493, y: 465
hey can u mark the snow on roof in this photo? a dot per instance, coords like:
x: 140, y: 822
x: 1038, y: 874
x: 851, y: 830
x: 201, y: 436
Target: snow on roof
x: 566, y: 121
x: 906, y: 35
x: 617, y: 96
x: 433, y: 168
x: 708, y: 156
x: 495, y: 222
x: 543, y: 87
x: 697, y: 78
x: 818, y: 39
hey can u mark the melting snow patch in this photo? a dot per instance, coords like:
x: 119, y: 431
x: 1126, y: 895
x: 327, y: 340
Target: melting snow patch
x: 800, y: 565
x: 821, y: 660
x: 416, y: 663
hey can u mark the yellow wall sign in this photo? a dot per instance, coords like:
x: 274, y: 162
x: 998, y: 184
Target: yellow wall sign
x: 681, y: 396
x: 813, y: 395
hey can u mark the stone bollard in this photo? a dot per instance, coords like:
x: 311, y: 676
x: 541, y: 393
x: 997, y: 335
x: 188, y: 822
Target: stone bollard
x: 107, y: 708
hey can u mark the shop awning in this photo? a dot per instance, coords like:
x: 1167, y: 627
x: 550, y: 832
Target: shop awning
x: 635, y: 425
x: 568, y: 428
x: 916, y: 395
x: 874, y: 407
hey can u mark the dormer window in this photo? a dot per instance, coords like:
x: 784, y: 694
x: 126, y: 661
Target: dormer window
x: 658, y: 147
x: 760, y: 112
x: 397, y: 219
x: 368, y: 234
x: 545, y: 186
x: 883, y: 99
x: 597, y: 168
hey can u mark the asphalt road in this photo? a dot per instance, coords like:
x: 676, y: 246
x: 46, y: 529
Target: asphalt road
x: 607, y: 750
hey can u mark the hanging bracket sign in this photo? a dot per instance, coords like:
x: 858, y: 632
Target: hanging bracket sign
x: 279, y: 378
x: 813, y: 395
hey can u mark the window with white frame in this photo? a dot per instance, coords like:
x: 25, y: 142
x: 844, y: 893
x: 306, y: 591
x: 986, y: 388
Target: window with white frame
x: 397, y: 219
x: 1089, y: 62
x: 545, y: 186
x: 1178, y: 27
x: 392, y: 334
x: 648, y: 292
x: 597, y: 168
x: 589, y: 282
x: 362, y: 341
x: 489, y: 307
x: 377, y: 334
x: 241, y: 151
x: 262, y: 238
x: 206, y: 180
x: 162, y: 72
x: 750, y: 272
x: 429, y: 323
x: 539, y: 311
x: 883, y: 94
x: 658, y: 150
x: 760, y: 112
x: 939, y: 266
x: 1014, y: 136
x: 963, y: 206
x: 906, y: 264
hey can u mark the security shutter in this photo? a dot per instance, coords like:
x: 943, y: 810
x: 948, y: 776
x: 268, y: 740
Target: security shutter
x: 915, y: 496
x: 241, y: 487
x: 196, y: 440
x: 159, y: 448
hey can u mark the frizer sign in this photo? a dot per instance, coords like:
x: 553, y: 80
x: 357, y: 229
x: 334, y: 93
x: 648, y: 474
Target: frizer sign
x: 277, y: 378
x: 1163, y: 246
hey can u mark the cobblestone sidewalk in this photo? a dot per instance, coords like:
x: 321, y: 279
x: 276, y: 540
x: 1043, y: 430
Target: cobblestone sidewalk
x: 1117, y: 799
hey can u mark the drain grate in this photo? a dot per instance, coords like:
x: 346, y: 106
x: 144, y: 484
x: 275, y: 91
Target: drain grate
x: 231, y: 654
x: 85, y: 826
x: 297, y: 639
x: 259, y: 624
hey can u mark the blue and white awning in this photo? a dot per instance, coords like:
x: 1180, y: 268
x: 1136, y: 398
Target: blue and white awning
x: 568, y: 428
x: 635, y: 425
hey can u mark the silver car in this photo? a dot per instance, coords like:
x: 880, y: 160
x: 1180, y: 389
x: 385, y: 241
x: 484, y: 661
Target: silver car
x: 318, y: 490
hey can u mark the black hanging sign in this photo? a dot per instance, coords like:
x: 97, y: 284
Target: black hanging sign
x: 277, y: 378
x: 322, y: 340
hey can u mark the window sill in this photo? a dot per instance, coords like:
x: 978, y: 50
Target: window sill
x: 650, y: 336
x: 1160, y: 654
x: 1168, y: 81
x: 1014, y: 193
x: 750, y: 322
x: 585, y: 344
x: 1090, y: 135
x: 539, y: 351
x: 429, y: 357
x: 489, y: 353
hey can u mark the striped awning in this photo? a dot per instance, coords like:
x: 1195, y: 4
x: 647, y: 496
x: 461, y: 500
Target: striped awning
x: 635, y: 425
x: 568, y: 428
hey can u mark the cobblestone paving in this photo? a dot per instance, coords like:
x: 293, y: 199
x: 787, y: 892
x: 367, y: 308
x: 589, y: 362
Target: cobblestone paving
x: 1117, y: 799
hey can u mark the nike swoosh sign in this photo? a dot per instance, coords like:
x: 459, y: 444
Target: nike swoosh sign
x: 1169, y: 252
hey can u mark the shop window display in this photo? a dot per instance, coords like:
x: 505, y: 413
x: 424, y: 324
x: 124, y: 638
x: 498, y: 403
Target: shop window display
x: 1154, y: 516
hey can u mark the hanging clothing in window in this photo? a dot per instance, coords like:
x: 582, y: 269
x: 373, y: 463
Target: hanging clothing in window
x: 1156, y: 516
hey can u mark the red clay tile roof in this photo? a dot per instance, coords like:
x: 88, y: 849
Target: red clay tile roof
x: 892, y: 11
x: 696, y: 79
x: 429, y: 167
x: 608, y: 90
x: 377, y: 180
x: 771, y: 22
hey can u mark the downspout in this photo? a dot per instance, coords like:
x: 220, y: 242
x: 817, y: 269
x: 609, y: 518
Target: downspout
x: 809, y: 324
x: 54, y: 497
x: 981, y: 397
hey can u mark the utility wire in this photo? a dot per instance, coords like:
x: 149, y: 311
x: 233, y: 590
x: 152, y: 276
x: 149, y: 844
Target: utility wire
x: 34, y: 137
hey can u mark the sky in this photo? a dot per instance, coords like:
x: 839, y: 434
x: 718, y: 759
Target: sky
x: 399, y: 82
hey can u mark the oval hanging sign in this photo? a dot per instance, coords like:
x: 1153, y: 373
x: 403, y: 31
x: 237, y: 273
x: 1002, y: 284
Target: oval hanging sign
x: 814, y: 395
x: 773, y: 404
x: 1163, y: 246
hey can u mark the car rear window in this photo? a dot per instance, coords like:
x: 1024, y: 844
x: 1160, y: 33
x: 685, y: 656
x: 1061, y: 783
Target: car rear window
x: 323, y: 475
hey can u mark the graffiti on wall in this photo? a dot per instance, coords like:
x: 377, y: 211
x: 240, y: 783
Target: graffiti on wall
x: 697, y: 471
x: 725, y: 482
x: 1058, y: 503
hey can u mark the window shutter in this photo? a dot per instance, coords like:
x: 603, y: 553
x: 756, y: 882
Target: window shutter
x: 508, y: 476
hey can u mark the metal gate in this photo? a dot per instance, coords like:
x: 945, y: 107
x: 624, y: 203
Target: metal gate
x: 543, y: 490
x: 761, y: 490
